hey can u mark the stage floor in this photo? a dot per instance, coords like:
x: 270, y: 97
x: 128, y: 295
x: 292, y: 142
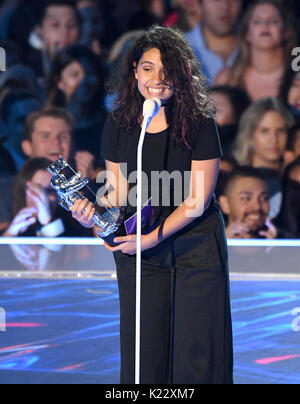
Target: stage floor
x: 65, y: 330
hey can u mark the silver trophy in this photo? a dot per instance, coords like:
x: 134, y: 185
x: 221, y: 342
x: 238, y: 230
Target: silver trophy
x: 68, y: 192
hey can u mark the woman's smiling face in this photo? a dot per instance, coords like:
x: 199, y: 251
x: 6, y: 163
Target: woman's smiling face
x: 149, y: 74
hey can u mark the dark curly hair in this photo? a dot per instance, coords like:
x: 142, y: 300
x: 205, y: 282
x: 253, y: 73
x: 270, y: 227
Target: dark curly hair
x: 189, y: 105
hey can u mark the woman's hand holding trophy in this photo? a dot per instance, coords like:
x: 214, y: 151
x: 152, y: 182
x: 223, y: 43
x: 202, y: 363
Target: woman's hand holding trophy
x: 83, y: 211
x: 70, y: 197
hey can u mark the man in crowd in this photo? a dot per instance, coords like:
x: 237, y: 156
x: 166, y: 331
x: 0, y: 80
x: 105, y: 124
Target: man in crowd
x: 246, y: 204
x: 48, y: 134
x: 214, y: 40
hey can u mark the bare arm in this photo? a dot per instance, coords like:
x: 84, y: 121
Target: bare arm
x: 204, y: 176
x: 202, y: 186
x: 116, y: 184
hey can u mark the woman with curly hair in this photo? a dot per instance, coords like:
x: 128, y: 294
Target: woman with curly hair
x: 186, y: 332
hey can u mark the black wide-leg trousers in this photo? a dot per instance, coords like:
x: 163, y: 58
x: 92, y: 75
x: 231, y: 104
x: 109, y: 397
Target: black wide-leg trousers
x: 186, y: 332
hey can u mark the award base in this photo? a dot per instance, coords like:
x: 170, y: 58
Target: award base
x: 70, y: 186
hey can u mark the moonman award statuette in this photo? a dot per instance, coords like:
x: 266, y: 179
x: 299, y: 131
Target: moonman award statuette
x: 69, y: 186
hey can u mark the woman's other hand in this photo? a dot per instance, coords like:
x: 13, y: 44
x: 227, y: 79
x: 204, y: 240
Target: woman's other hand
x: 128, y: 244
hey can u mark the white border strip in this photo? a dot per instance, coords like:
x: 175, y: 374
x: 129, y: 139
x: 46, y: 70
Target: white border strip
x: 102, y: 275
x: 112, y: 275
x: 51, y: 241
x: 97, y: 241
x: 264, y: 243
x: 255, y: 276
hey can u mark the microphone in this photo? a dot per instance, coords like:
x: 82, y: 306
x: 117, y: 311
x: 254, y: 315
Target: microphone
x: 151, y: 108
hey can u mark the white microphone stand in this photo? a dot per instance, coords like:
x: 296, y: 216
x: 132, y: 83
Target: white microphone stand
x: 151, y: 108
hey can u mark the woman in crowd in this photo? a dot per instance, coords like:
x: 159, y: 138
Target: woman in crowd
x: 76, y: 83
x: 263, y: 134
x: 266, y: 40
x: 262, y: 141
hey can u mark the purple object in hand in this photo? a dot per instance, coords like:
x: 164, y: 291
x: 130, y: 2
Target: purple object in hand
x: 147, y: 220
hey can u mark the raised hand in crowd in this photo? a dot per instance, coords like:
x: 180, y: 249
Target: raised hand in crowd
x: 34, y: 203
x: 40, y: 201
x: 238, y: 230
x: 271, y: 232
x: 85, y: 163
x: 241, y: 230
x: 22, y: 221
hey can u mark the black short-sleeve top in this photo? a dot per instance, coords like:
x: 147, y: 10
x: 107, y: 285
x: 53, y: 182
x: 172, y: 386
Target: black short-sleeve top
x: 160, y: 152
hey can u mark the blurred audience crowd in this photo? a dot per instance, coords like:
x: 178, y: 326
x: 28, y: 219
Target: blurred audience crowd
x: 53, y: 101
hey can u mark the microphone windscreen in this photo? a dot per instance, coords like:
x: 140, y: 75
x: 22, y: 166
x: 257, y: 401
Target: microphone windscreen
x: 151, y: 107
